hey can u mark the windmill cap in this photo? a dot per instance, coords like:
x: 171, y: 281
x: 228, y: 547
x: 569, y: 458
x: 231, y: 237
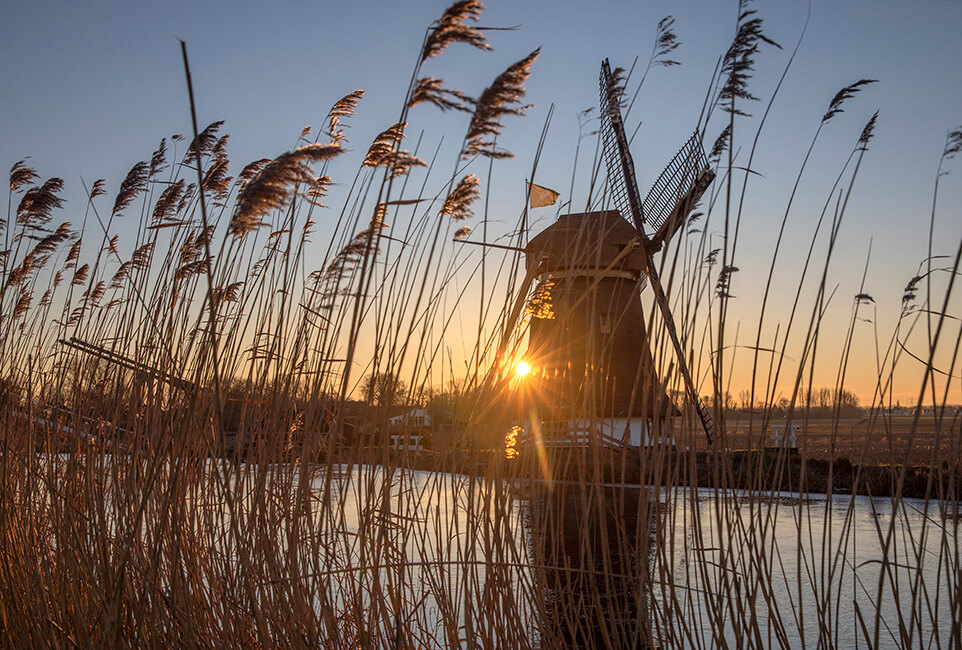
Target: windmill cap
x: 585, y: 240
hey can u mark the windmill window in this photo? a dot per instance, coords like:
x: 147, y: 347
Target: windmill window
x: 605, y: 324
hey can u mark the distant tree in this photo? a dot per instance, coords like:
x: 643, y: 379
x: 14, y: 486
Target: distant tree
x: 848, y: 399
x: 383, y: 389
x: 848, y: 404
x: 824, y: 402
x: 824, y: 398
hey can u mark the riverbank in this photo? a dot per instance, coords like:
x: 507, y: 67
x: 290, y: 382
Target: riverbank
x: 771, y: 470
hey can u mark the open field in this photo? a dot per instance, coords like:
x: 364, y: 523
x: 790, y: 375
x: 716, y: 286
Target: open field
x: 888, y: 440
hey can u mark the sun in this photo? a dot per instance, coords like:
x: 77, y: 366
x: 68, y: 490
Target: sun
x: 522, y: 369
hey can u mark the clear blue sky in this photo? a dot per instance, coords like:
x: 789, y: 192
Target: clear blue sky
x: 90, y: 88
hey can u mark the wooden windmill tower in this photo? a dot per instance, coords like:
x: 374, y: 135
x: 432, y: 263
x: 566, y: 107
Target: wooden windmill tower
x: 587, y: 341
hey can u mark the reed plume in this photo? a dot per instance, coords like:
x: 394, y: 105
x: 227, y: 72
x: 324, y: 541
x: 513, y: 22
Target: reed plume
x: 317, y: 192
x: 38, y: 203
x: 191, y: 269
x: 230, y: 293
x: 187, y: 197
x: 97, y: 189
x: 458, y: 204
x: 80, y: 276
x: 721, y: 144
x: 385, y: 151
x: 23, y: 303
x: 138, y: 261
x: 158, y: 160
x: 953, y: 144
x: 615, y: 95
x: 73, y: 254
x: 166, y: 205
x: 346, y: 106
x: 462, y: 232
x: 666, y: 42
x: 21, y: 174
x: 189, y: 249
x: 251, y: 170
x: 134, y: 184
x: 429, y: 89
x: 272, y: 186
x: 739, y: 61
x: 723, y: 284
x: 867, y: 133
x: 541, y: 303
x: 383, y: 145
x: 348, y: 257
x: 712, y: 257
x: 219, y: 150
x: 39, y: 255
x: 450, y: 28
x: 203, y: 144
x: 835, y: 106
x: 216, y: 180
x: 94, y: 295
x: 117, y: 281
x: 498, y: 100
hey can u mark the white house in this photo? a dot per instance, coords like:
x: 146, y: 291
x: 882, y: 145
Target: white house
x: 415, y: 418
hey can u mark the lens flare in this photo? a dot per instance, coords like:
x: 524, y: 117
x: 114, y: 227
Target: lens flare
x: 522, y: 369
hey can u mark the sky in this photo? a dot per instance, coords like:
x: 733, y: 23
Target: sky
x: 90, y: 88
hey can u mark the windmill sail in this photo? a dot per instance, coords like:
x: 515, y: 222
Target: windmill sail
x: 624, y: 189
x: 677, y: 190
x: 621, y: 168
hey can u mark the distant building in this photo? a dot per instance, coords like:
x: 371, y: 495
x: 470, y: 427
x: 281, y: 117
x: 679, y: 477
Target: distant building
x: 412, y: 430
x: 415, y: 418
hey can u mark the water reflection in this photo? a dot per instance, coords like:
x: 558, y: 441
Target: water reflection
x: 585, y: 563
x: 591, y: 558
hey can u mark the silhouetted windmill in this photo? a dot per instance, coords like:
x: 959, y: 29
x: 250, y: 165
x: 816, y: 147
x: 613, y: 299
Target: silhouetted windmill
x: 587, y: 342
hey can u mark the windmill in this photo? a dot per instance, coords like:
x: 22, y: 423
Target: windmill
x: 596, y: 382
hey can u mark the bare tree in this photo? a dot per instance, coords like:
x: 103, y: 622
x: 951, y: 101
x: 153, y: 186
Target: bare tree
x: 383, y: 389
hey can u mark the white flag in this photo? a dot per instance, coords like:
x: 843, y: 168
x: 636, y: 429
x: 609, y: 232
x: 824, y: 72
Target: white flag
x: 542, y: 196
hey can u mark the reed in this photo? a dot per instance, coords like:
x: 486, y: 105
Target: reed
x: 196, y: 421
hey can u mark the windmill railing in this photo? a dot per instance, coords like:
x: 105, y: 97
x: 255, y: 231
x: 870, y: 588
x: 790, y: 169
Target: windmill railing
x: 674, y: 183
x: 572, y: 432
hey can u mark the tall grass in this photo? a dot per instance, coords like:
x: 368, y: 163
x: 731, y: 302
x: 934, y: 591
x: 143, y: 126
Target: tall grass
x: 189, y: 457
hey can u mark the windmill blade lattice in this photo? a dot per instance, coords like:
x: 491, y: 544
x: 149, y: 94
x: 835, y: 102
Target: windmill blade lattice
x: 621, y: 168
x: 677, y: 190
x: 624, y: 190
